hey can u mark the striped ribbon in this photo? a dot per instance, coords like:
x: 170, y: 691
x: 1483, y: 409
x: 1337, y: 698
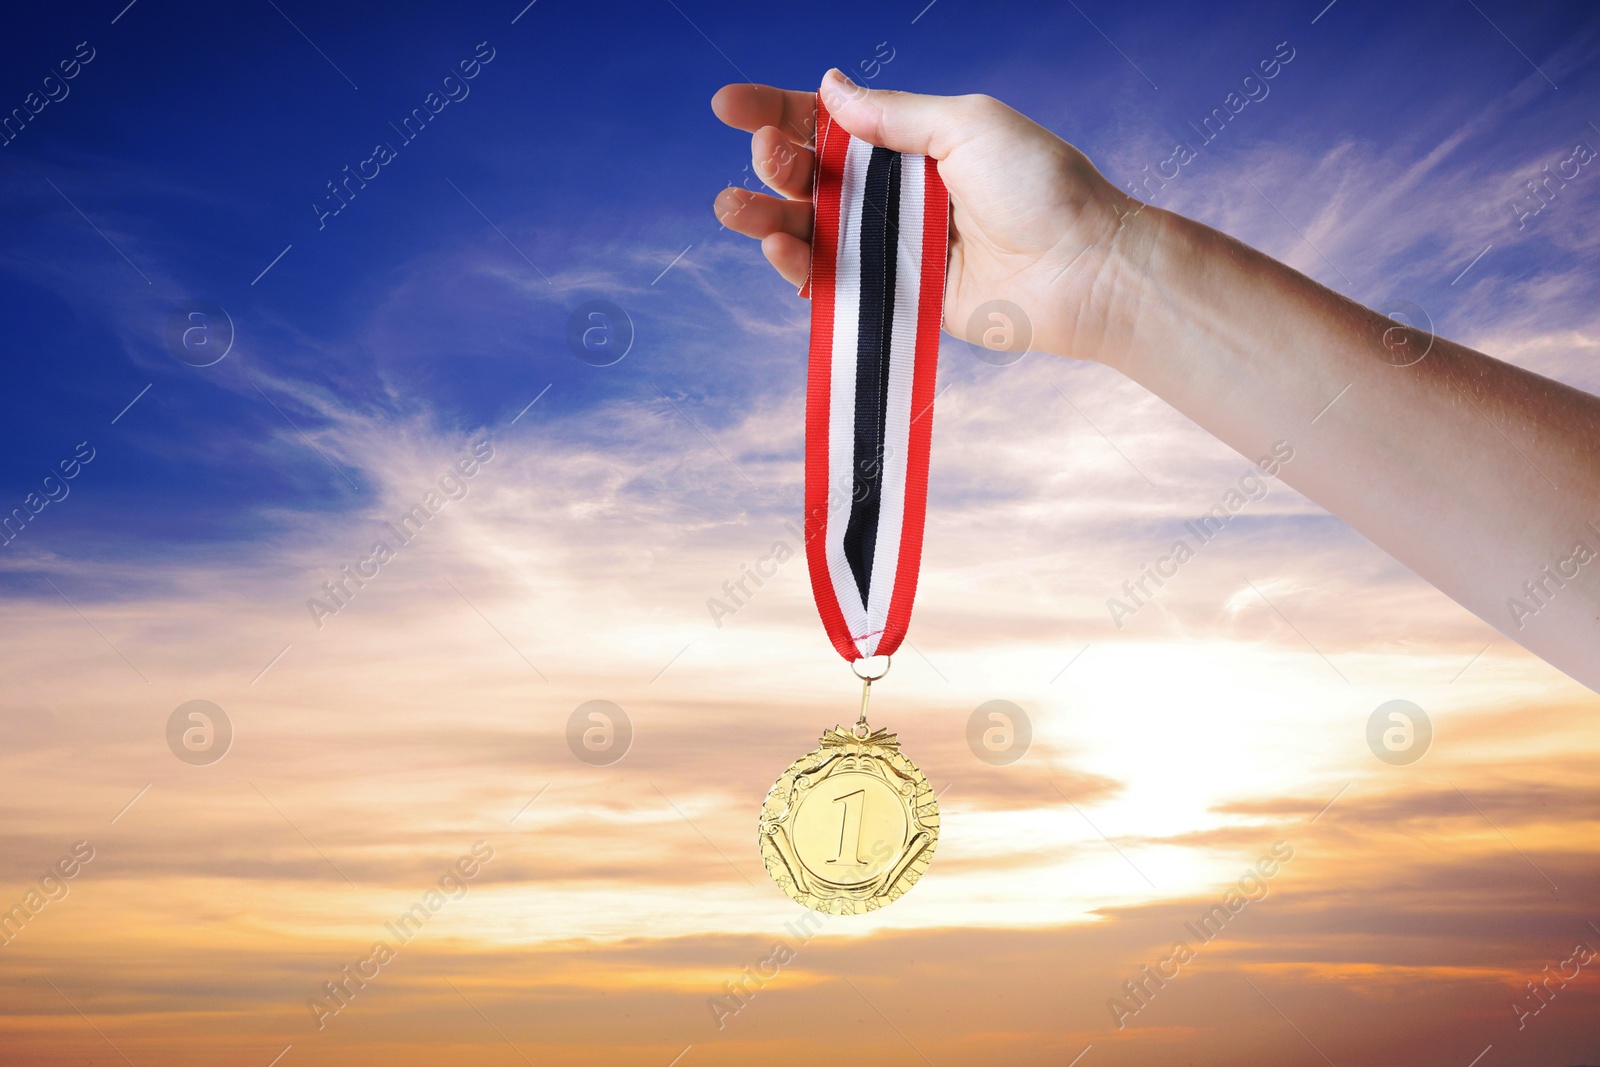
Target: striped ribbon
x: 877, y: 301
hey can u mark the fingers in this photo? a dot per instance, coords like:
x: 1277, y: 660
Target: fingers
x: 759, y: 215
x: 750, y: 107
x: 905, y: 122
x: 783, y: 226
x: 781, y: 163
x: 783, y: 123
x: 789, y: 255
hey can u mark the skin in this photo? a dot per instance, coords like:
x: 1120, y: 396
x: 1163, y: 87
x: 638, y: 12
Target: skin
x: 1482, y: 477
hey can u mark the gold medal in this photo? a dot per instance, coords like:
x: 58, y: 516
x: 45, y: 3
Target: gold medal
x: 852, y: 824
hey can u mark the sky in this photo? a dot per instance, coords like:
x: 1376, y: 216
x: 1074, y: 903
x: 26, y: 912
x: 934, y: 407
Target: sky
x: 371, y: 754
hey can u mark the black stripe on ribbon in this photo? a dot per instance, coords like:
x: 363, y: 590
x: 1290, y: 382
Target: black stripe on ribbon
x: 880, y: 234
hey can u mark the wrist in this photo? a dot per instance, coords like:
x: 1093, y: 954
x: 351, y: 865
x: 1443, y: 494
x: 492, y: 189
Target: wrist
x: 1101, y: 296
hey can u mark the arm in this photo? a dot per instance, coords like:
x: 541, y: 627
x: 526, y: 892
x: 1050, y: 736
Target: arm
x: 1481, y: 477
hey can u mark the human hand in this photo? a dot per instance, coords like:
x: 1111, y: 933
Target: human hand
x: 1032, y: 221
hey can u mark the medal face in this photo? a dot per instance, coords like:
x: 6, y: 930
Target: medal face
x: 851, y: 825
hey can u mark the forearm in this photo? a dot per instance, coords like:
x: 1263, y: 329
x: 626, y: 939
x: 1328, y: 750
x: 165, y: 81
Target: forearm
x: 1481, y: 477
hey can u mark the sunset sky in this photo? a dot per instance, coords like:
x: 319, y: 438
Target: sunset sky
x: 425, y: 723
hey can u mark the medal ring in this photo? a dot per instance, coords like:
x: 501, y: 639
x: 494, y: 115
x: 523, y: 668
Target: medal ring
x: 870, y: 676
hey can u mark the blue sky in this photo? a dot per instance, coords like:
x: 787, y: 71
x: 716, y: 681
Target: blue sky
x: 198, y: 138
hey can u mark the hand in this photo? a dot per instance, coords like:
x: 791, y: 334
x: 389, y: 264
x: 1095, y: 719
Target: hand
x: 1479, y: 475
x: 1032, y: 221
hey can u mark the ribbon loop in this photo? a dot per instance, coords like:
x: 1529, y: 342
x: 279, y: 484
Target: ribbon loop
x: 877, y: 301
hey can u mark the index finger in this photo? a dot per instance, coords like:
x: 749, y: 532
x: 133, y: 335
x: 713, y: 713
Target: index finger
x: 750, y: 107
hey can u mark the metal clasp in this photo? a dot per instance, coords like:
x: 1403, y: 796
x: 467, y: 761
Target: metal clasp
x: 861, y: 729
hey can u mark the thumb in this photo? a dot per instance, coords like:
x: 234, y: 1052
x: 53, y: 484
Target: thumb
x: 901, y: 122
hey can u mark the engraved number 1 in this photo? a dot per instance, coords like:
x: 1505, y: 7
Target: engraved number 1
x: 850, y: 826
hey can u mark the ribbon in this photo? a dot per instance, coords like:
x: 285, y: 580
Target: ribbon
x: 877, y: 301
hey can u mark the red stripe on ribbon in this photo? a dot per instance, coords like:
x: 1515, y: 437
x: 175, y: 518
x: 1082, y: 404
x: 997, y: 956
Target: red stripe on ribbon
x: 831, y: 146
